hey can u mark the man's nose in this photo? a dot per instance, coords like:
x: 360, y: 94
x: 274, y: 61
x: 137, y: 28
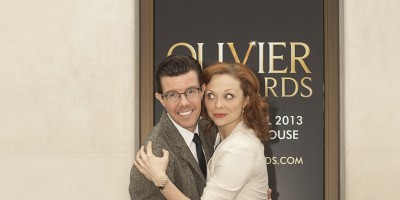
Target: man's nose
x: 183, y: 100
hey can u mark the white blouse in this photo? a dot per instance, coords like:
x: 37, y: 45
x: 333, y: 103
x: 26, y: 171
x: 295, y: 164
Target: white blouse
x: 238, y: 169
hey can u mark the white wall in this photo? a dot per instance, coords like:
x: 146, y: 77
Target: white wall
x: 370, y: 74
x: 67, y: 101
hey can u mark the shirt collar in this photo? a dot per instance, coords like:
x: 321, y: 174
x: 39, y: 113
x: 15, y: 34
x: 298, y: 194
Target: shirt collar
x: 187, y: 135
x: 239, y: 127
x: 217, y: 141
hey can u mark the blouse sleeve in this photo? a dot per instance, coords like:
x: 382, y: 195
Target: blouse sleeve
x: 233, y: 169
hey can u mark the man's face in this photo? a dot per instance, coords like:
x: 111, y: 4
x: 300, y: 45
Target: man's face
x: 186, y: 110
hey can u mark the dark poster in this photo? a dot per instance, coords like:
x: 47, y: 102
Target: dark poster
x: 282, y: 41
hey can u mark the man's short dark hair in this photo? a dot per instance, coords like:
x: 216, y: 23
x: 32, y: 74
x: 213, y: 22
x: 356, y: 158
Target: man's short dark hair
x: 175, y: 65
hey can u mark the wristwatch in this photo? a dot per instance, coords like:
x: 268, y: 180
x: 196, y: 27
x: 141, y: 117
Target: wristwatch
x: 162, y: 185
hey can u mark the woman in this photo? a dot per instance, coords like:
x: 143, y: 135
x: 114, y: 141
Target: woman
x: 237, y: 169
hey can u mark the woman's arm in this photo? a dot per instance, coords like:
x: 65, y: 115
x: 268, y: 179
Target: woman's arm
x: 154, y: 169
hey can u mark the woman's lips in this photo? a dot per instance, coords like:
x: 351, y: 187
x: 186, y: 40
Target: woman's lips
x: 219, y: 115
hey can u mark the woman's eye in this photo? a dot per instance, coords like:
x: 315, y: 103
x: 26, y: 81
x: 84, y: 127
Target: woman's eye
x: 229, y: 96
x: 210, y: 96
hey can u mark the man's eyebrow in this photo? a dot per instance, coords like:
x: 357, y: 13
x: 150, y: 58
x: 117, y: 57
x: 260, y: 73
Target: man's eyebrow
x: 192, y: 87
x: 170, y: 91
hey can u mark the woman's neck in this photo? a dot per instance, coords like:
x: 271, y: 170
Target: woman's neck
x: 226, y: 130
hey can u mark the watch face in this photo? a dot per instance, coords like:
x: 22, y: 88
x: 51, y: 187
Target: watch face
x: 162, y: 186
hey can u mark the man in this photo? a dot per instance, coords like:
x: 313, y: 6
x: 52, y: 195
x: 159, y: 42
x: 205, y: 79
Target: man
x: 180, y: 89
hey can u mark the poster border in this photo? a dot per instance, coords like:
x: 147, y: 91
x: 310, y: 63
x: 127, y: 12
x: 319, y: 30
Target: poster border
x: 331, y: 87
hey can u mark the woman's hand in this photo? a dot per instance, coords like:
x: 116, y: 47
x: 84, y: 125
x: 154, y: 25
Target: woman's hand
x: 150, y: 166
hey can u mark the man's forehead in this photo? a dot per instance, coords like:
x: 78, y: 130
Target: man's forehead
x: 181, y: 82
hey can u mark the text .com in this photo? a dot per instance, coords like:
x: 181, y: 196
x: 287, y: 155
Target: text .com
x: 284, y: 160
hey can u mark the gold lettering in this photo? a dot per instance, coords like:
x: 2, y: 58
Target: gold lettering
x: 200, y: 51
x: 270, y: 88
x: 306, y: 86
x: 272, y: 57
x: 234, y: 54
x: 293, y: 57
x: 296, y: 88
x: 261, y: 57
x: 191, y: 49
x: 220, y: 52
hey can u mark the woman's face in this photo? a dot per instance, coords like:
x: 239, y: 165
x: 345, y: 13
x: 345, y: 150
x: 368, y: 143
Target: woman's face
x: 224, y: 101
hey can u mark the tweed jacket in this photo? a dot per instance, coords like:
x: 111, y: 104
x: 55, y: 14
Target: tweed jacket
x: 183, y: 170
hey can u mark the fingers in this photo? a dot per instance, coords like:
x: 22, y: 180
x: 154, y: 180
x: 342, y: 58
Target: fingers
x: 165, y: 154
x: 141, y: 170
x: 142, y: 154
x: 138, y: 156
x: 269, y: 191
x: 149, y: 148
x: 137, y: 165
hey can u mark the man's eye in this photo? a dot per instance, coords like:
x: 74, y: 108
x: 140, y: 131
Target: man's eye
x: 191, y: 91
x: 172, y: 95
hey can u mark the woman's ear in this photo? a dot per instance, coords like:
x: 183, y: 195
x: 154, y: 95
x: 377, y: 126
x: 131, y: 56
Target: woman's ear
x: 246, y: 101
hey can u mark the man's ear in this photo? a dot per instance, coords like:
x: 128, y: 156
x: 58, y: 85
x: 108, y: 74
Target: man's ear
x: 159, y: 97
x: 203, y: 89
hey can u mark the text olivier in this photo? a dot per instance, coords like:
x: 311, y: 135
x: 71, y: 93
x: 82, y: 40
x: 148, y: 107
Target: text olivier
x: 286, y: 85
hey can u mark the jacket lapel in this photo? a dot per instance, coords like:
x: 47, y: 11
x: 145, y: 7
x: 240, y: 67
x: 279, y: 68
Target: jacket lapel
x: 207, y: 138
x: 174, y: 139
x: 206, y: 147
